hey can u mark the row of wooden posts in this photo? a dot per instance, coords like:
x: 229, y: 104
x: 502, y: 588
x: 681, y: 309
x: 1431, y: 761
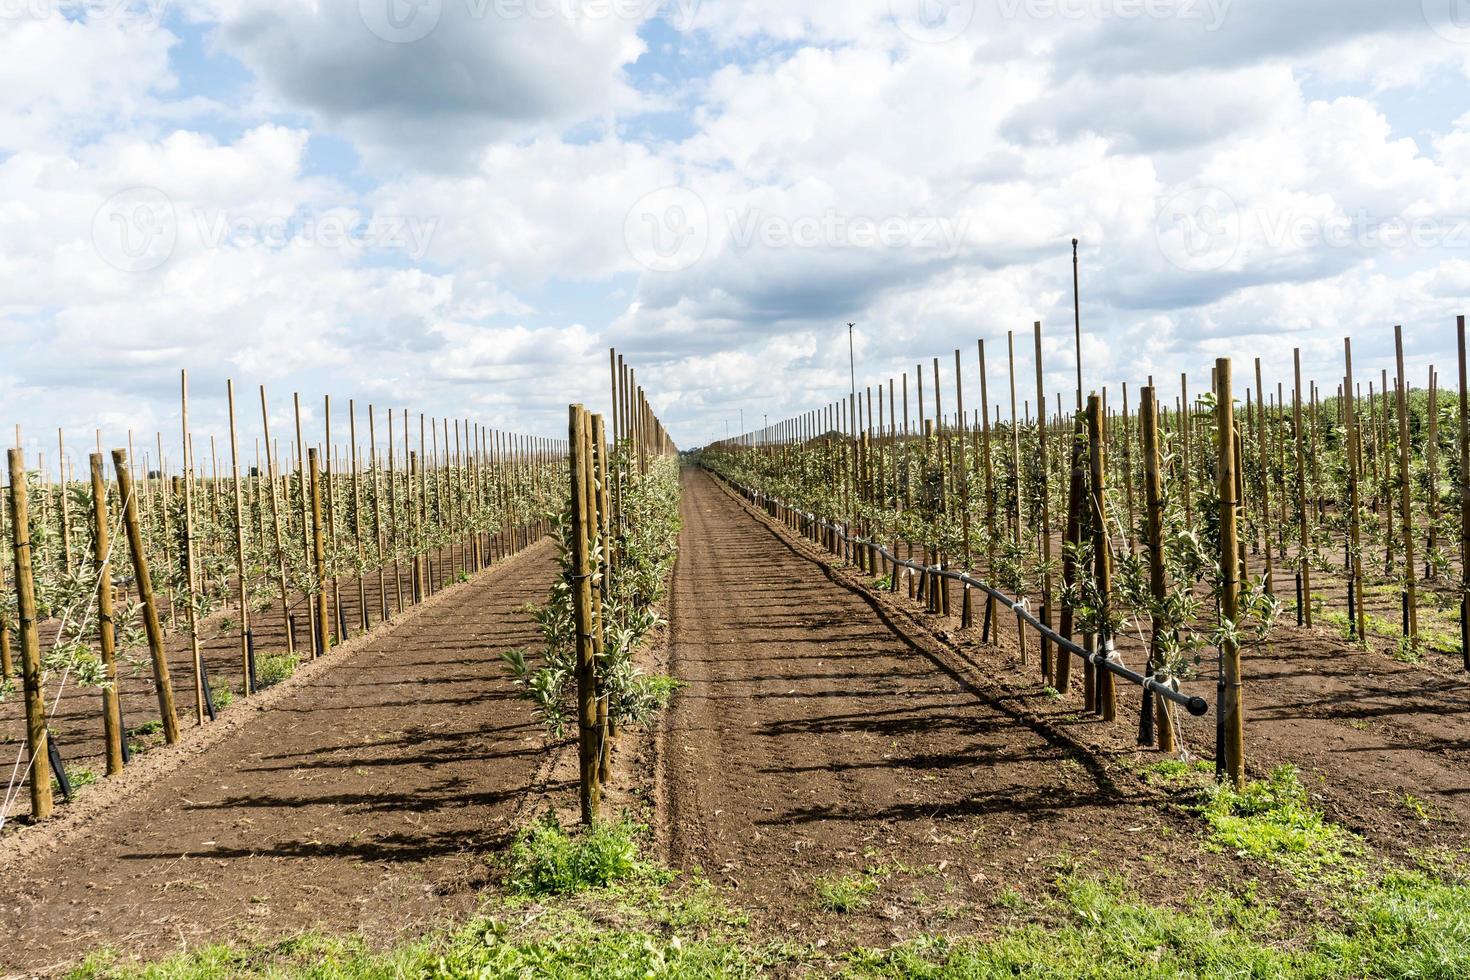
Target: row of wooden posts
x: 1369, y: 450
x: 477, y: 553
x: 858, y: 483
x: 597, y: 522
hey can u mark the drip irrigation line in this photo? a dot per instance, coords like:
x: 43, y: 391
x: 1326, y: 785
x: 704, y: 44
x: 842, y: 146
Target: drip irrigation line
x: 1194, y: 704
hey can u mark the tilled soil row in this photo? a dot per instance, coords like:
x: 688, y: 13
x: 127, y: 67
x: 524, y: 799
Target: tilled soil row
x: 75, y: 721
x: 362, y: 798
x: 812, y: 740
x: 1384, y: 746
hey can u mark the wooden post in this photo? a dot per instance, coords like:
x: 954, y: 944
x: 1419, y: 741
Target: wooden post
x: 1132, y: 529
x: 587, y: 731
x: 1354, y: 468
x: 986, y: 458
x: 1431, y: 470
x: 65, y: 507
x: 106, y: 638
x: 1184, y: 449
x: 602, y: 526
x: 271, y: 477
x: 1232, y: 710
x: 1076, y: 489
x: 1153, y: 500
x: 7, y: 666
x: 245, y: 672
x: 1464, y: 500
x: 1107, y: 697
x: 162, y: 684
x: 303, y: 487
x: 1048, y: 669
x: 319, y: 554
x: 362, y: 611
x: 1406, y: 499
x: 30, y: 640
x: 201, y: 702
x: 1262, y: 444
x: 1305, y: 537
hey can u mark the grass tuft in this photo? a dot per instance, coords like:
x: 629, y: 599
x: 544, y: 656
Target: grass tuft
x: 547, y: 859
x: 274, y: 668
x: 1273, y: 820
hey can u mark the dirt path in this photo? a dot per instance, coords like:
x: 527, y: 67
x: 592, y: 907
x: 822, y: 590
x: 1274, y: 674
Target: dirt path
x: 76, y: 722
x: 811, y: 740
x: 361, y: 798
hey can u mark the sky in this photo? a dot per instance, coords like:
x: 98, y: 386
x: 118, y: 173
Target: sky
x: 456, y: 206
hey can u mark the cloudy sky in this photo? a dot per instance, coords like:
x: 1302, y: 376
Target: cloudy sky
x: 456, y: 206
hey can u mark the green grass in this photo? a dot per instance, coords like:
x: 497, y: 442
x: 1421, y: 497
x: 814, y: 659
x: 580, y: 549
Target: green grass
x: 79, y: 778
x: 848, y: 893
x: 221, y: 698
x: 1406, y: 926
x: 547, y: 859
x: 585, y: 904
x: 1421, y: 810
x: 581, y: 904
x: 1273, y: 820
x: 558, y: 943
x: 274, y: 668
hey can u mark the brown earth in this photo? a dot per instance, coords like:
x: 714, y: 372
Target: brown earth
x: 75, y: 719
x: 824, y: 730
x: 1380, y: 743
x: 821, y: 732
x: 361, y: 796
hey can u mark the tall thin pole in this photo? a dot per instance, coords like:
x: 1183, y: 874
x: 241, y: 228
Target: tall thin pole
x: 1231, y: 709
x: 1077, y: 323
x: 30, y: 640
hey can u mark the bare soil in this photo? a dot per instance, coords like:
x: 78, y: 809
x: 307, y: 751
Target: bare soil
x: 1380, y: 743
x: 362, y: 796
x: 75, y: 718
x: 822, y: 731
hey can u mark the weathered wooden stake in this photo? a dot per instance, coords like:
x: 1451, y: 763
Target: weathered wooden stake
x: 1153, y: 500
x: 581, y: 511
x: 319, y: 554
x: 112, y: 732
x: 30, y: 640
x: 1232, y: 710
x: 1107, y: 697
x: 1406, y: 499
x: 143, y: 581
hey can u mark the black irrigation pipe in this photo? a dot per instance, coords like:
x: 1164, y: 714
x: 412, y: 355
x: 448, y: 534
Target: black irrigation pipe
x: 1194, y: 704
